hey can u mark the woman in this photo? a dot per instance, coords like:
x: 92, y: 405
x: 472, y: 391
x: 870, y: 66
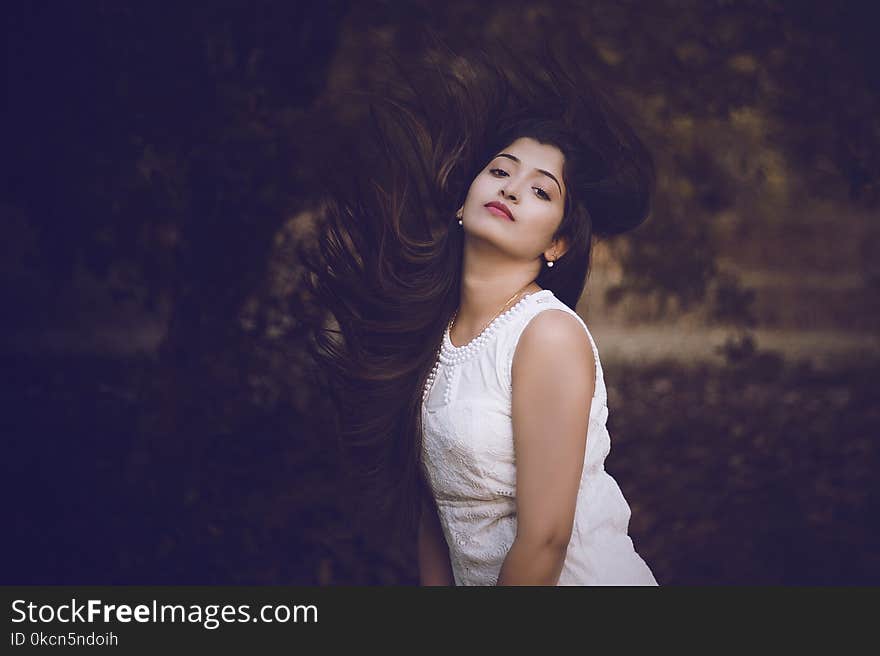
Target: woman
x: 470, y: 393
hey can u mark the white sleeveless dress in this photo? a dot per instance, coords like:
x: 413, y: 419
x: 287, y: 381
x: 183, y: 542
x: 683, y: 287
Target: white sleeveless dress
x: 468, y: 458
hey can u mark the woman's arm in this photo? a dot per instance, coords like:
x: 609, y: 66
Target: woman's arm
x: 532, y: 563
x: 553, y: 379
x: 435, y: 567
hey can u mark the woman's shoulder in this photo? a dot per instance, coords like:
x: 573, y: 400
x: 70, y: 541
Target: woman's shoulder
x: 564, y: 324
x: 554, y: 350
x: 554, y: 329
x: 550, y: 331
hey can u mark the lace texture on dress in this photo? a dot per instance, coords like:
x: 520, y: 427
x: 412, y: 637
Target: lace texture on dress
x: 469, y: 460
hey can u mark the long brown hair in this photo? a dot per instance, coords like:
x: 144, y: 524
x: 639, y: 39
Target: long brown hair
x: 387, y: 260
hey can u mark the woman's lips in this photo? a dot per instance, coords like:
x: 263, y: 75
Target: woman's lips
x: 497, y: 212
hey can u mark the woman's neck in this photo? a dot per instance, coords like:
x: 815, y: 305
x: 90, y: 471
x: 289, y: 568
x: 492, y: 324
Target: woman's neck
x: 485, y: 288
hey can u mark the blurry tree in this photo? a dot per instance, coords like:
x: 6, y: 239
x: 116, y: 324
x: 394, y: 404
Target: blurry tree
x: 163, y: 141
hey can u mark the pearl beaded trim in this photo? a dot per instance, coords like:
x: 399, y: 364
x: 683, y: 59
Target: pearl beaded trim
x: 452, y: 355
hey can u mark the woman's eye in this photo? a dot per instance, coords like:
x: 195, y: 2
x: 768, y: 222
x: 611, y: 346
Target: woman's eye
x: 541, y: 193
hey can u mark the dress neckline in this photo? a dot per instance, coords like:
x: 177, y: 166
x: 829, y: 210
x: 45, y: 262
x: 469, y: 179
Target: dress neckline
x: 452, y: 354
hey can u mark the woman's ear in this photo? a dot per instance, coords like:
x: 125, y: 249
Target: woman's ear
x: 557, y: 249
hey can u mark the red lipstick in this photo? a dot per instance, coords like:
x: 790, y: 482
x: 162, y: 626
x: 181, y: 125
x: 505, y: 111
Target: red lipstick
x: 500, y: 209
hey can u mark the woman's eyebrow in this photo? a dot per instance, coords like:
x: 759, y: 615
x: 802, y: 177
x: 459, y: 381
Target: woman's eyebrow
x: 547, y: 173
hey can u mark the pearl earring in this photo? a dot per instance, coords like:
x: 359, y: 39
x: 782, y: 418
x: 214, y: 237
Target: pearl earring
x: 458, y: 214
x: 549, y: 263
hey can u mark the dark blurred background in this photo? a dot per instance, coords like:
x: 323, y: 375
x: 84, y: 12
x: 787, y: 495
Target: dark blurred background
x: 158, y: 421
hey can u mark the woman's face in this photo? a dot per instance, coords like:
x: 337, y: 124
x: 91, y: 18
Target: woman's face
x: 526, y: 176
